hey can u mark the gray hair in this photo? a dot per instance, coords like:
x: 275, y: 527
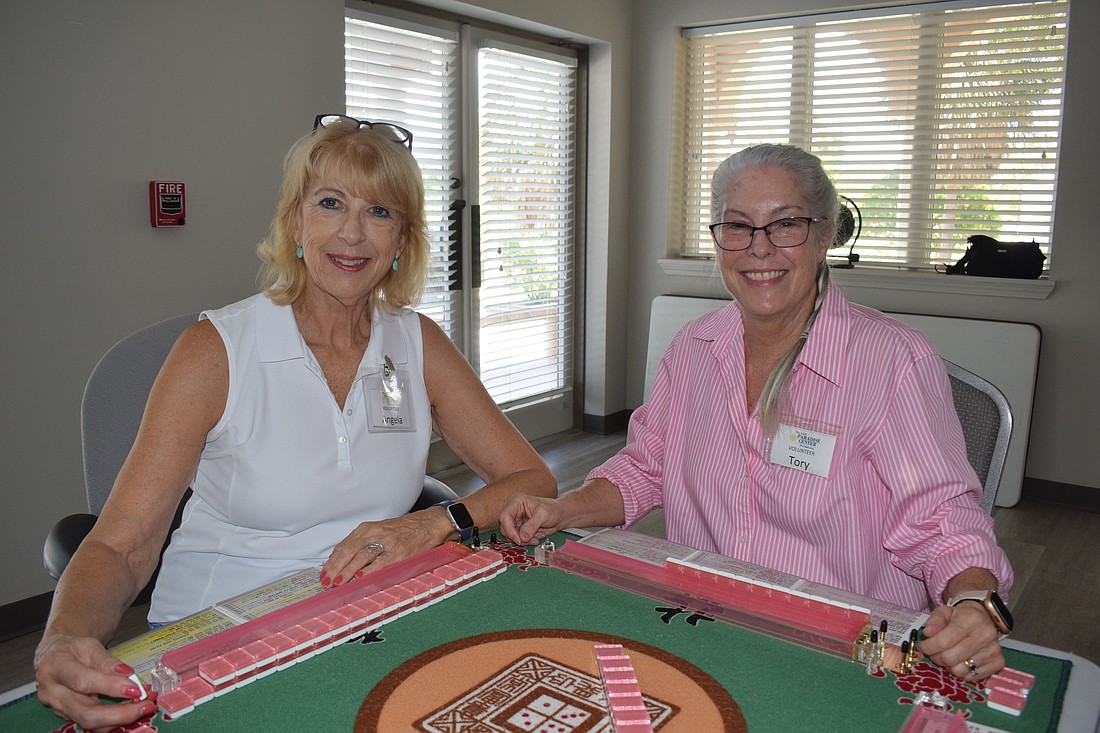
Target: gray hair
x: 774, y: 392
x: 818, y: 190
x: 813, y: 182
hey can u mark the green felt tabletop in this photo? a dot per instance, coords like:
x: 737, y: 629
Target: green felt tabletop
x: 778, y: 686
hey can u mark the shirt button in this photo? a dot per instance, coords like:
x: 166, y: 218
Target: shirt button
x: 742, y: 539
x: 348, y: 411
x: 343, y: 439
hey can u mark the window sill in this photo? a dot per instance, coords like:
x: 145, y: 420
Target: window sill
x: 887, y: 278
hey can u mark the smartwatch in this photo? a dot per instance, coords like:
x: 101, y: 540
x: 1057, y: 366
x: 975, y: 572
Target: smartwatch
x: 993, y: 605
x: 460, y: 518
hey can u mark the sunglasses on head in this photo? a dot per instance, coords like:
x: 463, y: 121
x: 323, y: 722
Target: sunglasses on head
x: 395, y: 132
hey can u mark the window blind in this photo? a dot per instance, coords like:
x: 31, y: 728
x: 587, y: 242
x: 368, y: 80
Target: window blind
x: 938, y: 123
x: 527, y: 193
x: 411, y: 77
x: 510, y: 305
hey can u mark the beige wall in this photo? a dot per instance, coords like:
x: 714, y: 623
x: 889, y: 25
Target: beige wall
x: 96, y: 100
x: 100, y: 98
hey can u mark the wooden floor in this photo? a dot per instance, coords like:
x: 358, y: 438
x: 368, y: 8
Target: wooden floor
x: 1052, y: 549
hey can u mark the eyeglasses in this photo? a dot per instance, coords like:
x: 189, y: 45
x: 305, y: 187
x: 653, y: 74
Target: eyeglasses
x: 395, y: 132
x: 791, y: 231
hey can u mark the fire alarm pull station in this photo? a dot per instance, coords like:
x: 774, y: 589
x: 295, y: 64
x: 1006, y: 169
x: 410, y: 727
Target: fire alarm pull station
x: 167, y: 204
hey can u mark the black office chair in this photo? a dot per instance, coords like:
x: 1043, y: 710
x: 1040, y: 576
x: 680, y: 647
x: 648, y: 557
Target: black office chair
x: 987, y: 426
x: 111, y: 411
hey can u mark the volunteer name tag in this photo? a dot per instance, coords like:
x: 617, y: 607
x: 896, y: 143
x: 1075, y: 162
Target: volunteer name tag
x: 389, y: 401
x: 803, y: 450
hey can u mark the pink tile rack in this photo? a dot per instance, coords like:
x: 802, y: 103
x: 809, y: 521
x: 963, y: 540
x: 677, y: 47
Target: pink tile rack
x: 815, y: 623
x: 217, y: 664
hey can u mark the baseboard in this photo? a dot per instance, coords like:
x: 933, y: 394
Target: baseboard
x: 24, y: 617
x: 606, y: 424
x: 1055, y: 492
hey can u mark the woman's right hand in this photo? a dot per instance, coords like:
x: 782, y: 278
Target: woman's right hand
x: 527, y: 520
x: 73, y: 672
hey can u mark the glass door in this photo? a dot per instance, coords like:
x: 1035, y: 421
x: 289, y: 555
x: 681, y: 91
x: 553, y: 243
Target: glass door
x: 494, y: 120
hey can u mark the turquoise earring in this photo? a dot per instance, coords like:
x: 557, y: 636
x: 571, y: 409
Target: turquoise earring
x: 395, y: 264
x: 299, y: 251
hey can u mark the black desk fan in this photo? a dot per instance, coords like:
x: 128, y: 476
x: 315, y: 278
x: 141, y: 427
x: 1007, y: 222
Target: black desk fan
x: 848, y: 226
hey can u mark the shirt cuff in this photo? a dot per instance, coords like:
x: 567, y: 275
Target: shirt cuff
x: 950, y: 564
x: 633, y: 508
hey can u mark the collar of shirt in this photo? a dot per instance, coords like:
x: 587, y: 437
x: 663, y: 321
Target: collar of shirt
x: 278, y: 339
x: 824, y: 352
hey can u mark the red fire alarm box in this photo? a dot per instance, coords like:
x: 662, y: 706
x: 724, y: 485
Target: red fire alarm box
x: 167, y: 204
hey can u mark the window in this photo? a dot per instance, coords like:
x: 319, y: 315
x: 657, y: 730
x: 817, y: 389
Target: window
x: 409, y: 77
x: 494, y: 121
x: 527, y: 163
x: 937, y: 121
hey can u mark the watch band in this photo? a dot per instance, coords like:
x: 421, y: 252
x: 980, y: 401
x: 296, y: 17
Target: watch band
x: 993, y: 605
x: 460, y: 518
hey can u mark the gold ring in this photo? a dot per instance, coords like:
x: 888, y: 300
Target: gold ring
x: 971, y: 666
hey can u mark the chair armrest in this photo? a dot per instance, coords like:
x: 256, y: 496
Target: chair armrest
x: 434, y: 491
x: 63, y: 540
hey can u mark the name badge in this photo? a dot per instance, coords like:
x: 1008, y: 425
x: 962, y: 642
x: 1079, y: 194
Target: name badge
x: 389, y: 401
x: 803, y: 450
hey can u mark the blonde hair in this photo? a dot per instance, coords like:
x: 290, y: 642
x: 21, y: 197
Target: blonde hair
x: 379, y: 170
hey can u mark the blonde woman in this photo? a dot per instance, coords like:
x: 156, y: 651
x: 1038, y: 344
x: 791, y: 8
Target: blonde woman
x: 300, y: 418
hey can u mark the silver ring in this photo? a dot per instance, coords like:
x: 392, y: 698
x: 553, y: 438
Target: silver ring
x: 376, y: 547
x: 971, y: 666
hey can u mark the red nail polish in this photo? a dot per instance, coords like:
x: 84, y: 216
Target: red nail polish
x: 339, y: 580
x: 325, y: 582
x: 132, y: 692
x: 359, y: 574
x: 124, y: 669
x: 323, y: 575
x: 149, y: 709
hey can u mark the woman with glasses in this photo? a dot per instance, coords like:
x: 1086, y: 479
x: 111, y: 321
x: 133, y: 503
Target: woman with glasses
x: 798, y: 431
x: 301, y: 419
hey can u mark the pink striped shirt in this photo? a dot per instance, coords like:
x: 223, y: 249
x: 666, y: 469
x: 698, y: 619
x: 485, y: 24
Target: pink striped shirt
x: 898, y: 515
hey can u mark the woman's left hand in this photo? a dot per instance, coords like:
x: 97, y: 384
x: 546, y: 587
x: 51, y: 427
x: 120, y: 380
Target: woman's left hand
x: 963, y: 640
x: 373, y: 545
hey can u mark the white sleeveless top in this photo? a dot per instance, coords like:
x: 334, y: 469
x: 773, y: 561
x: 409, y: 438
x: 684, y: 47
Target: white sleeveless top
x: 286, y: 474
